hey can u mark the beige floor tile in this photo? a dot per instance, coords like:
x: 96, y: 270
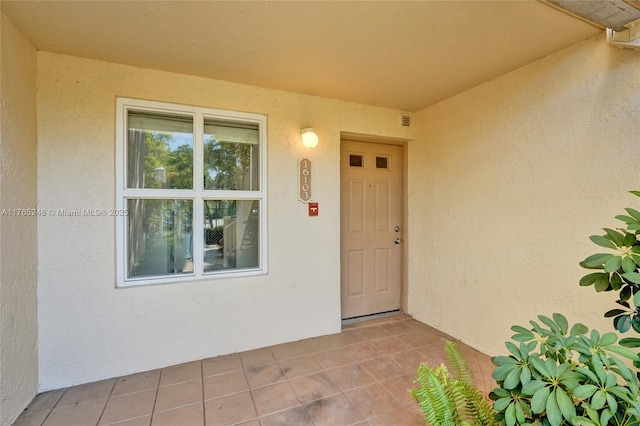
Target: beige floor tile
x: 178, y: 395
x: 129, y: 406
x: 435, y: 339
x: 383, y: 368
x: 358, y: 377
x: 81, y: 394
x: 399, y: 388
x: 373, y: 332
x: 35, y: 418
x: 332, y: 411
x: 140, y: 421
x: 322, y: 343
x: 136, y: 383
x: 44, y: 401
x: 189, y: 415
x: 402, y: 417
x: 373, y: 401
x: 257, y: 357
x: 221, y: 364
x: 433, y: 353
x: 271, y: 398
x: 229, y: 410
x: 264, y: 375
x: 295, y: 367
x: 350, y: 376
x: 82, y: 414
x: 314, y: 386
x: 416, y: 411
x: 181, y: 373
x: 470, y: 354
x: 408, y: 360
x: 348, y: 337
x: 294, y: 416
x: 363, y: 351
x: 397, y: 327
x: 414, y: 339
x: 333, y: 358
x: 290, y: 350
x: 420, y: 326
x: 476, y: 372
x: 225, y: 384
x: 484, y: 380
x: 250, y: 423
x: 391, y: 345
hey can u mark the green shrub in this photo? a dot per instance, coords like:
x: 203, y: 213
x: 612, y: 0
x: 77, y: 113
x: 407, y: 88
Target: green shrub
x: 619, y: 270
x: 556, y: 375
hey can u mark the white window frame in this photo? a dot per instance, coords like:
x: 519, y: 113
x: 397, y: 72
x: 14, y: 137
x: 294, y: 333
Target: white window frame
x: 198, y: 194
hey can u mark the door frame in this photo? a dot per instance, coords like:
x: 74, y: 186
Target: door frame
x: 372, y: 139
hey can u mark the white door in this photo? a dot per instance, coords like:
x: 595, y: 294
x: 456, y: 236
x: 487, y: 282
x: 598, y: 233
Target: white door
x: 371, y: 227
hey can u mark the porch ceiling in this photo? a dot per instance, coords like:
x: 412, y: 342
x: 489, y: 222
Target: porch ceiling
x: 397, y: 54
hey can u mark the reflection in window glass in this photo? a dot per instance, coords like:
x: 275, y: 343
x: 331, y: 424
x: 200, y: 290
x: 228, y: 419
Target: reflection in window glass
x: 191, y: 180
x: 356, y: 160
x: 231, y: 155
x: 382, y: 162
x: 231, y: 234
x: 160, y: 239
x: 159, y: 151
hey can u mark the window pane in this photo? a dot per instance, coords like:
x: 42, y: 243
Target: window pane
x: 356, y: 160
x: 231, y: 155
x: 159, y: 151
x: 231, y: 234
x: 382, y: 162
x: 160, y: 240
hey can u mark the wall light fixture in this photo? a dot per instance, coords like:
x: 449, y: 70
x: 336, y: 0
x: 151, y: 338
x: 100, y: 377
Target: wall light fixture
x: 309, y: 138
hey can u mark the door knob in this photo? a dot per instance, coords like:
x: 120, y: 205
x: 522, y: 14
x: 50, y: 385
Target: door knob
x: 397, y: 241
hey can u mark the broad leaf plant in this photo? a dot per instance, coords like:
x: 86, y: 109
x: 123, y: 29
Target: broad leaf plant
x: 618, y: 269
x: 556, y: 375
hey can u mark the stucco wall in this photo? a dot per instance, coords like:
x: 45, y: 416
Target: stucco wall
x: 506, y: 183
x: 18, y: 251
x: 88, y: 329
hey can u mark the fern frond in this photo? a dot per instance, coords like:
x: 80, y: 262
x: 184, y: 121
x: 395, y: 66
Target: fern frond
x: 458, y: 365
x: 451, y: 400
x: 478, y: 407
x: 433, y: 396
x: 470, y: 401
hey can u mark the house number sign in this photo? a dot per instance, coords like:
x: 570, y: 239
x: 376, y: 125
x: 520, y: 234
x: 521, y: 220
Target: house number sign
x: 304, y: 167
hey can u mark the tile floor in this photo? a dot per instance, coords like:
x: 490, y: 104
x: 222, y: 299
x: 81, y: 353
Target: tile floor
x: 358, y: 377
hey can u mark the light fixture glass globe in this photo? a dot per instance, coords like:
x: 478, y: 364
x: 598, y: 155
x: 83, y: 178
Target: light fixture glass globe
x: 309, y: 138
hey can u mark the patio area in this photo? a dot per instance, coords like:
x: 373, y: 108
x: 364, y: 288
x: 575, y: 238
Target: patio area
x: 358, y: 377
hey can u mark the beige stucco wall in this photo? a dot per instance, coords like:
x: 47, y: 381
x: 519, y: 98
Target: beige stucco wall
x: 18, y: 251
x: 506, y: 183
x: 88, y: 329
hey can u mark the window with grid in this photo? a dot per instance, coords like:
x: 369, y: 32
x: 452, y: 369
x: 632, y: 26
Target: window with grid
x: 191, y: 190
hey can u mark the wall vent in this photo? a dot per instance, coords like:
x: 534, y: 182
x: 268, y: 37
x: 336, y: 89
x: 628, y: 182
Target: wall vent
x: 405, y: 120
